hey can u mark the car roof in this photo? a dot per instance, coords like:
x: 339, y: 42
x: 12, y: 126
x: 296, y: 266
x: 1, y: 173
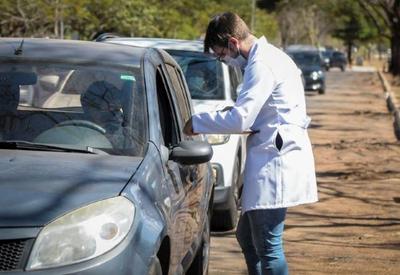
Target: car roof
x: 161, y: 43
x: 306, y: 52
x: 70, y: 51
x: 300, y: 47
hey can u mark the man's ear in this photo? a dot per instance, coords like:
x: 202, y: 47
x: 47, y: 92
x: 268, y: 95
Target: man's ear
x: 234, y: 41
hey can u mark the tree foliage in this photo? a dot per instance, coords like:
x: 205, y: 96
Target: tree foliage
x: 352, y: 25
x: 81, y: 19
x: 355, y: 22
x: 304, y: 22
x: 385, y: 16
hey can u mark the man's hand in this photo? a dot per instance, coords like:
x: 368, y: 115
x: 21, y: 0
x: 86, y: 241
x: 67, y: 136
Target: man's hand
x: 188, y: 128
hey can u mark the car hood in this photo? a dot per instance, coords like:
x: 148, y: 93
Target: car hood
x: 309, y: 69
x: 37, y: 187
x: 210, y: 105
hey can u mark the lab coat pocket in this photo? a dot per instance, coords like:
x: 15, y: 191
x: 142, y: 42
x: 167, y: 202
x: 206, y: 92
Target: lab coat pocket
x: 278, y: 141
x: 290, y: 137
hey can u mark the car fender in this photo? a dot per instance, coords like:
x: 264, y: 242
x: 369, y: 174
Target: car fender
x: 225, y: 154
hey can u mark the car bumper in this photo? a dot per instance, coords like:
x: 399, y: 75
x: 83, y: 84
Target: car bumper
x: 222, y: 193
x: 222, y: 198
x: 338, y: 64
x: 314, y: 85
x: 223, y: 162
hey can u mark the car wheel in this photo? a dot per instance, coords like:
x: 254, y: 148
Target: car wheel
x: 226, y: 220
x: 199, y: 265
x: 342, y: 68
x: 321, y: 91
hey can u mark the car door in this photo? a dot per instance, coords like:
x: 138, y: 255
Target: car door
x: 194, y: 176
x: 177, y: 176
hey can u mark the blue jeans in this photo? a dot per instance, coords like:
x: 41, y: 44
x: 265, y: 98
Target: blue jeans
x: 259, y: 233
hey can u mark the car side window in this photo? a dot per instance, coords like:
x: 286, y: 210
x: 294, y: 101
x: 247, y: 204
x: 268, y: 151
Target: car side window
x: 178, y: 87
x: 168, y: 120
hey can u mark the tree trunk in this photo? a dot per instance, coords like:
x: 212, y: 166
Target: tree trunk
x: 395, y: 47
x: 349, y: 52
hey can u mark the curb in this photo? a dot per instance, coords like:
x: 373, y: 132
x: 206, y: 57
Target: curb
x: 392, y: 104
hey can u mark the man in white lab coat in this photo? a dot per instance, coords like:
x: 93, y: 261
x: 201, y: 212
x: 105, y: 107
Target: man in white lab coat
x: 279, y: 171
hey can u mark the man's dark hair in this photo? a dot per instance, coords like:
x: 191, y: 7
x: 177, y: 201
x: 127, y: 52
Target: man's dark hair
x: 222, y: 27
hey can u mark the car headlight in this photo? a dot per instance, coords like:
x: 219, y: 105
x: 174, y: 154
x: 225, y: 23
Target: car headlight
x: 83, y: 234
x: 217, y: 139
x: 315, y: 75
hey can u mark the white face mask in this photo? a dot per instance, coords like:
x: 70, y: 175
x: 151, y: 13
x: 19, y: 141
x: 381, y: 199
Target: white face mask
x: 238, y: 61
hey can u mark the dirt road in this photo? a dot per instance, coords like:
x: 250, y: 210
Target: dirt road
x: 355, y: 227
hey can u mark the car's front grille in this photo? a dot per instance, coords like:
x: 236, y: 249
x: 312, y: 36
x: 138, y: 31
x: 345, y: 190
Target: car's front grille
x: 12, y: 254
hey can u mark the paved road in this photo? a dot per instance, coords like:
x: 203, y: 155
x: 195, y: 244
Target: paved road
x: 355, y: 228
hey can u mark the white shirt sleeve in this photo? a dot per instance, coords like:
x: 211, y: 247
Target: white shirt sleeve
x: 258, y: 84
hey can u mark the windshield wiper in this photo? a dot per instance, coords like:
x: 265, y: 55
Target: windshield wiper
x: 26, y: 145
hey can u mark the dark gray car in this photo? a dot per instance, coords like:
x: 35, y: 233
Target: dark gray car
x: 311, y: 66
x: 96, y: 176
x: 339, y: 60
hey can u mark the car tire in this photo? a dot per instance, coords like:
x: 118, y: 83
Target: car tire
x: 227, y: 220
x: 200, y: 262
x: 321, y: 91
x: 342, y: 68
x: 156, y: 268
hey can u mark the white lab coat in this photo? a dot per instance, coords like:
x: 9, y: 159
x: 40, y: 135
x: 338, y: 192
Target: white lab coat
x: 271, y: 101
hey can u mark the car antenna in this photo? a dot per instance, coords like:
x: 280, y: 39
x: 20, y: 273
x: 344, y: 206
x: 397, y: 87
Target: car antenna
x: 18, y: 51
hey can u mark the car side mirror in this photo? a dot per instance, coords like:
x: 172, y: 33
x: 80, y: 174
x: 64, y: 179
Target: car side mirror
x: 191, y: 152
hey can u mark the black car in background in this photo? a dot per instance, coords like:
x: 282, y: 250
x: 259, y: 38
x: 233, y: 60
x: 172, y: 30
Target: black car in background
x: 312, y: 67
x: 326, y: 57
x: 338, y: 60
x: 97, y: 176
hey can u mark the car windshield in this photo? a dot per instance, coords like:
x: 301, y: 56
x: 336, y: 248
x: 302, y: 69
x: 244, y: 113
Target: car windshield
x: 203, y: 74
x: 338, y: 55
x: 306, y: 58
x: 325, y: 54
x: 73, y: 106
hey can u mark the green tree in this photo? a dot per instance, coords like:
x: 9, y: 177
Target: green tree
x: 352, y: 26
x: 82, y: 19
x: 385, y: 15
x: 301, y: 22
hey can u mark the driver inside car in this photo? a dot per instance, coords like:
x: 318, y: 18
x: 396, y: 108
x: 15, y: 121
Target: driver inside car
x: 103, y: 104
x: 201, y: 81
